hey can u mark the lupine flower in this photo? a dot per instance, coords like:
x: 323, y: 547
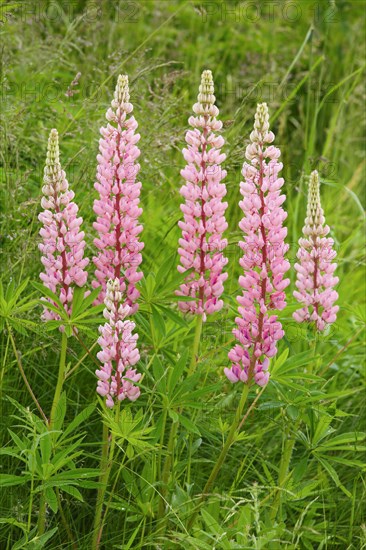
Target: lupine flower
x: 119, y: 352
x: 117, y: 208
x: 63, y: 241
x: 204, y: 221
x: 263, y: 261
x: 315, y: 270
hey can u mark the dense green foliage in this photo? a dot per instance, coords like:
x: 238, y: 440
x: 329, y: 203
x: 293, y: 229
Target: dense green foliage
x: 303, y: 58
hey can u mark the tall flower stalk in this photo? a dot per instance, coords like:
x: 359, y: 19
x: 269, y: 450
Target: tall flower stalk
x: 263, y: 282
x: 263, y: 260
x: 117, y: 262
x: 63, y: 259
x: 201, y: 245
x: 63, y: 242
x: 62, y: 247
x: 315, y: 291
x: 116, y: 380
x: 315, y: 269
x: 117, y: 208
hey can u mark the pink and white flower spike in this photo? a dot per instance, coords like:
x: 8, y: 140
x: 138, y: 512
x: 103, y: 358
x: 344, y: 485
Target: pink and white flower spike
x: 315, y: 268
x: 119, y: 352
x: 117, y: 209
x: 263, y: 259
x: 63, y: 242
x: 201, y: 245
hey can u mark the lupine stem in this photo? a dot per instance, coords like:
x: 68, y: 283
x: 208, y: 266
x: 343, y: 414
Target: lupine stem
x: 287, y: 453
x: 167, y: 466
x: 196, y: 344
x: 42, y: 515
x: 106, y: 463
x: 174, y: 427
x: 229, y: 441
x: 284, y: 466
x: 53, y: 416
x: 60, y: 380
x: 101, y: 490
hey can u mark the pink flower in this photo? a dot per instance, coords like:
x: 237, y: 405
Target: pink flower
x: 63, y: 242
x: 203, y: 224
x: 315, y: 279
x: 263, y: 259
x: 117, y: 209
x: 119, y: 352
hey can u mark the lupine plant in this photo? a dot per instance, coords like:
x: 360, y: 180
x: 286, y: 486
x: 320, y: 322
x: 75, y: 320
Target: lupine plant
x: 173, y: 407
x: 315, y: 268
x: 63, y: 242
x: 117, y: 267
x: 117, y: 208
x: 264, y: 266
x: 202, y: 243
x: 62, y: 248
x: 263, y: 259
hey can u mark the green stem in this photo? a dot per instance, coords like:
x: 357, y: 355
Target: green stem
x: 174, y: 427
x: 53, y: 416
x: 229, y: 441
x: 196, y: 344
x: 64, y: 520
x: 106, y: 463
x: 42, y: 515
x: 288, y: 449
x: 60, y: 381
x: 30, y: 506
x: 165, y: 414
x: 284, y: 467
x: 167, y: 467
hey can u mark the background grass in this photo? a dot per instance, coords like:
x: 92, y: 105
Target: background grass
x: 305, y: 59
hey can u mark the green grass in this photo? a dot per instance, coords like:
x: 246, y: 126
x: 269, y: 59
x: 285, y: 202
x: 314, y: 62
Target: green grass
x: 303, y: 58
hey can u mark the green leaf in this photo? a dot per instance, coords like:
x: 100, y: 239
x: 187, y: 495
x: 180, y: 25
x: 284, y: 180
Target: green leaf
x: 214, y: 527
x: 81, y: 417
x: 45, y: 291
x: 60, y: 412
x: 10, y: 480
x: 77, y: 300
x: 188, y: 424
x: 159, y: 375
x: 173, y: 415
x: 280, y: 361
x: 32, y: 541
x: 352, y: 439
x: 73, y: 491
x: 132, y: 537
x: 46, y: 448
x: 177, y: 371
x: 332, y: 473
x: 322, y: 428
x: 51, y: 499
x: 158, y: 321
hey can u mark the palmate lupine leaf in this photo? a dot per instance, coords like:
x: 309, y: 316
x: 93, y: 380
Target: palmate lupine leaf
x: 81, y: 317
x: 13, y: 308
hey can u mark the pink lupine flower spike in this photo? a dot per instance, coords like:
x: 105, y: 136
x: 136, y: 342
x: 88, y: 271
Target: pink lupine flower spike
x: 315, y: 269
x: 119, y: 352
x: 117, y: 209
x: 263, y: 260
x: 63, y: 241
x: 201, y: 245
